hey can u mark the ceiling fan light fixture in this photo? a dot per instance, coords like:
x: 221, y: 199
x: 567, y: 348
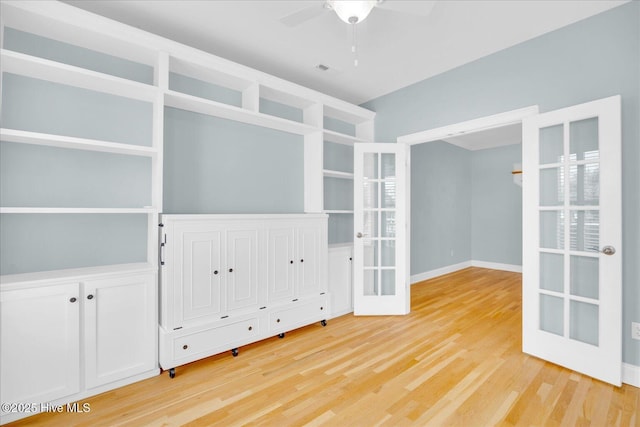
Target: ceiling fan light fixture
x: 352, y: 11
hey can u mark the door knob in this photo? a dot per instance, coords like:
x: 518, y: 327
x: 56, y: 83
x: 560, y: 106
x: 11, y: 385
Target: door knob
x: 608, y: 250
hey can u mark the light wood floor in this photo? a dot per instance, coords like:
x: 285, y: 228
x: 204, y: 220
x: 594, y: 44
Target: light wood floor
x: 454, y: 361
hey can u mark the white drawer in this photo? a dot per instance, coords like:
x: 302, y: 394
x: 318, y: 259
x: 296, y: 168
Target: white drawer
x: 217, y: 339
x: 297, y: 314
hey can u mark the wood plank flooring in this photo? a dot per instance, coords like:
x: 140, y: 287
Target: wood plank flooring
x: 454, y: 361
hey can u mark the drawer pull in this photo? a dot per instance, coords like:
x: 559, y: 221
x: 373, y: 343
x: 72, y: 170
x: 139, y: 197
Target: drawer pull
x: 73, y: 299
x: 89, y: 296
x: 184, y: 347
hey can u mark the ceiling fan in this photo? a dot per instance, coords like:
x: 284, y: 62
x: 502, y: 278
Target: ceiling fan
x: 353, y: 12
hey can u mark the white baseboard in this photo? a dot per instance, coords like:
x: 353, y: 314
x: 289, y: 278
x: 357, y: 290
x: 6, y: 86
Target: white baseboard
x: 455, y: 267
x: 631, y: 374
x: 439, y: 272
x: 497, y: 266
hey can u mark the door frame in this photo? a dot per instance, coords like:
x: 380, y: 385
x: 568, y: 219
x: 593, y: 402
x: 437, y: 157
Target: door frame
x: 457, y: 129
x: 470, y: 126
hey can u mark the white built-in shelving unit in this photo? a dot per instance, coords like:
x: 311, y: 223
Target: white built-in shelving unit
x: 66, y: 24
x: 164, y: 58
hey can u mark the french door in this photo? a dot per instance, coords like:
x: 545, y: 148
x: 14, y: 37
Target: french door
x: 381, y: 252
x: 572, y: 288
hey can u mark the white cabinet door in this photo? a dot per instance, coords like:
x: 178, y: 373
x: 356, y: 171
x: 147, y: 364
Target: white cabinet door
x: 281, y: 265
x: 308, y: 259
x: 39, y: 343
x: 203, y: 271
x: 120, y: 328
x: 340, y: 280
x: 242, y: 269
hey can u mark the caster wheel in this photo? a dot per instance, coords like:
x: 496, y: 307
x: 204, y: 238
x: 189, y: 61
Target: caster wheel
x: 234, y: 351
x: 281, y: 335
x: 323, y: 322
x: 172, y: 373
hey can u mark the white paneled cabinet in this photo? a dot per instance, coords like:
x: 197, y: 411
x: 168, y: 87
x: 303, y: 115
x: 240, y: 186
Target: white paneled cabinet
x: 341, y: 279
x: 295, y: 263
x: 212, y: 269
x: 40, y: 343
x: 230, y: 280
x: 119, y: 328
x: 64, y: 338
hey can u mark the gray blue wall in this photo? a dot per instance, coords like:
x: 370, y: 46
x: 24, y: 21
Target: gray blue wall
x: 440, y: 206
x: 591, y: 59
x: 213, y: 165
x: 496, y: 206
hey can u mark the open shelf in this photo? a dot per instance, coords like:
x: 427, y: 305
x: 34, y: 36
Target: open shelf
x: 44, y: 69
x: 36, y: 138
x: 340, y: 138
x: 45, y: 210
x: 337, y: 174
x: 225, y: 111
x: 338, y: 211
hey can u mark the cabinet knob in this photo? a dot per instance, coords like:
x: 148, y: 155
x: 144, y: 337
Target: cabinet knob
x: 231, y: 270
x: 89, y: 296
x: 291, y: 262
x: 250, y: 328
x: 73, y: 299
x: 278, y: 321
x: 184, y: 347
x: 215, y: 272
x: 321, y: 308
x: 350, y: 259
x: 301, y: 260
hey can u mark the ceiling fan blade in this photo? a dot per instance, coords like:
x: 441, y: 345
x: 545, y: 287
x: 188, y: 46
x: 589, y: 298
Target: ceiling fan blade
x: 296, y: 18
x: 413, y: 7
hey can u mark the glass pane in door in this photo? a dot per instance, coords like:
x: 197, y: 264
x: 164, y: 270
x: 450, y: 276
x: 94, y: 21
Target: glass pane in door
x: 584, y: 322
x: 583, y: 143
x: 552, y: 314
x: 585, y: 276
x: 551, y: 144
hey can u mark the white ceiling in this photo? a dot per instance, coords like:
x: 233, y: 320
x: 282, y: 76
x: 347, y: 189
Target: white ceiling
x: 490, y: 138
x: 396, y: 48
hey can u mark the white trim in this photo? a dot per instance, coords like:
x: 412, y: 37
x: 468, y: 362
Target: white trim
x: 497, y: 266
x: 470, y: 126
x: 631, y: 374
x: 439, y: 272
